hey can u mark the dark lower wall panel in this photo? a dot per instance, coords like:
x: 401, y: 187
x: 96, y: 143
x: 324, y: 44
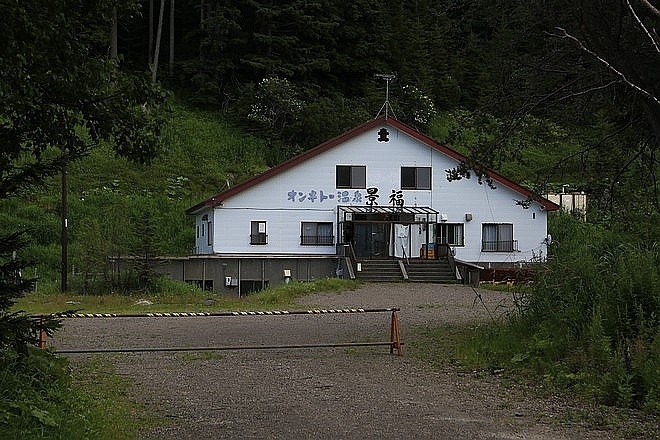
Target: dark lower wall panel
x: 231, y: 275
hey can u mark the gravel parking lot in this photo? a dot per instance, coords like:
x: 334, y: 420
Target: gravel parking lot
x: 326, y: 393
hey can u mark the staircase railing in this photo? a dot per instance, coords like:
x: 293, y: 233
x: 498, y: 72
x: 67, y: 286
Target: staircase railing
x: 445, y: 250
x: 351, y: 260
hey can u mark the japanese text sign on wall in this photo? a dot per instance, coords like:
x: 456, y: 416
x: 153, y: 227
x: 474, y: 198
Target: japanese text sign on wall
x: 369, y: 197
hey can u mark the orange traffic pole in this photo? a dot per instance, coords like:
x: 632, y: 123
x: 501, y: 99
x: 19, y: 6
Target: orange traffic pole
x: 395, y: 336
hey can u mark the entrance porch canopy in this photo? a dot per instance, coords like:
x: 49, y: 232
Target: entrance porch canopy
x: 377, y: 231
x: 420, y: 214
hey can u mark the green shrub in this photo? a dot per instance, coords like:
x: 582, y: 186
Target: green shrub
x: 591, y: 320
x: 604, y: 287
x: 37, y: 401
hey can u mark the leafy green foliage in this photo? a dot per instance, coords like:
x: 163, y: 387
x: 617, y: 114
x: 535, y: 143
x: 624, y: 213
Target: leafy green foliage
x: 39, y: 399
x: 536, y: 152
x: 591, y: 321
x: 61, y: 95
x: 109, y: 195
x: 17, y: 330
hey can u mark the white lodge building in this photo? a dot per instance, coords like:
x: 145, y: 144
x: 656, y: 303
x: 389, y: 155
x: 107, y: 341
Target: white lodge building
x: 377, y: 192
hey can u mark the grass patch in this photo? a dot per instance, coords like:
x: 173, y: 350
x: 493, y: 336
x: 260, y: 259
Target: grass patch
x: 199, y: 356
x: 439, y: 347
x: 112, y: 408
x: 180, y: 297
x: 524, y: 363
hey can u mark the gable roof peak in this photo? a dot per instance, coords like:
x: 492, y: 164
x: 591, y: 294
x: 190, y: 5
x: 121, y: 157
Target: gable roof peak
x: 220, y: 197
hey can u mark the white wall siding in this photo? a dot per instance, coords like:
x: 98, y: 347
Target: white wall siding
x: 283, y: 229
x: 308, y: 193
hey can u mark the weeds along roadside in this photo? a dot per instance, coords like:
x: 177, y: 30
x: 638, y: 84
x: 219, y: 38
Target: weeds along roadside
x: 42, y: 397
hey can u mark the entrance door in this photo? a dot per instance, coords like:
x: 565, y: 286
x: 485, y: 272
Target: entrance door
x: 371, y: 239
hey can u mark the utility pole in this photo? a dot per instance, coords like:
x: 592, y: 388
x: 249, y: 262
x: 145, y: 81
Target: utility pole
x: 64, y: 236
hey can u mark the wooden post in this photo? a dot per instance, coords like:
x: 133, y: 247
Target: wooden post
x: 395, y: 336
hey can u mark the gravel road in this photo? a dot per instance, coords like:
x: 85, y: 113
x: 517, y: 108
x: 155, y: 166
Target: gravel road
x: 328, y: 393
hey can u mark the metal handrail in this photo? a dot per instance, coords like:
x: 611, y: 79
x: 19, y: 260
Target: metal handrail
x: 351, y: 260
x: 318, y: 240
x: 499, y: 246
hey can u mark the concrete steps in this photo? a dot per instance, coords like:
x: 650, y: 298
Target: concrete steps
x: 430, y: 271
x: 380, y: 270
x: 418, y: 271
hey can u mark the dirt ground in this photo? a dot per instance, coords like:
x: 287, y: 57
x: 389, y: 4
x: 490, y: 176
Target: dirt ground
x: 332, y: 393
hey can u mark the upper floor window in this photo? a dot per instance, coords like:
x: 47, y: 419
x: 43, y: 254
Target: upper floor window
x: 316, y: 233
x: 498, y: 237
x: 415, y: 178
x: 450, y: 233
x: 258, y: 232
x: 351, y: 176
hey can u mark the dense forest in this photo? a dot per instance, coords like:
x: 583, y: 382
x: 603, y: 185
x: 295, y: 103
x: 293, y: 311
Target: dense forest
x: 148, y: 106
x: 578, y: 74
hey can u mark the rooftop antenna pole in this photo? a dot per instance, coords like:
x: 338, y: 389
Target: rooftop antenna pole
x: 387, y: 77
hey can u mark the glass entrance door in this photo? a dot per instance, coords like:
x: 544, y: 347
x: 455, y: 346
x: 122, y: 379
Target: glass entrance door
x: 371, y: 239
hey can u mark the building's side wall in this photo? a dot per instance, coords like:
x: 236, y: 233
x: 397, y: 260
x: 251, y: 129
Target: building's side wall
x: 205, y: 230
x: 308, y: 192
x: 488, y: 206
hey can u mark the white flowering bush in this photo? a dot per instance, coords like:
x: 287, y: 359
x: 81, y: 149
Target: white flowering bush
x: 275, y: 103
x: 418, y: 104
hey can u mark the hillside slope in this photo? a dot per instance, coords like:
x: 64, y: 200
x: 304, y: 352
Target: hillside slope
x: 113, y: 203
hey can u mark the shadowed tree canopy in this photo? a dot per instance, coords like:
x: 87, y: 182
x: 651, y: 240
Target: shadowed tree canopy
x: 60, y: 95
x: 588, y: 65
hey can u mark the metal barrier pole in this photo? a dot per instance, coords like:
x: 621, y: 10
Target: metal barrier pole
x: 394, y: 343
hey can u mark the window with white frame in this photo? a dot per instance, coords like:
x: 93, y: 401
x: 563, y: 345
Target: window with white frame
x: 316, y: 233
x: 450, y: 233
x: 351, y: 176
x: 415, y: 178
x: 209, y: 233
x: 258, y: 232
x: 498, y: 237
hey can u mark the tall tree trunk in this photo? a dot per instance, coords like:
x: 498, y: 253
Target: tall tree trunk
x: 159, y: 32
x: 150, y: 57
x: 202, y: 17
x: 171, y: 70
x: 113, y: 34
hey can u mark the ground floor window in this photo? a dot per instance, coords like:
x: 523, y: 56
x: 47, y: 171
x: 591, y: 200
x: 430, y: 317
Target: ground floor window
x: 258, y: 232
x: 498, y: 237
x: 202, y: 284
x: 251, y: 286
x: 316, y: 233
x: 450, y: 233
